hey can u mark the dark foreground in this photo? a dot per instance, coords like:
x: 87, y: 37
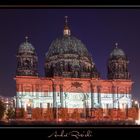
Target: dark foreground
x: 53, y: 123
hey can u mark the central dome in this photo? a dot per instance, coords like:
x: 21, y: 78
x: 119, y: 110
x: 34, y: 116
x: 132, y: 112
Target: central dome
x: 67, y: 45
x: 68, y: 57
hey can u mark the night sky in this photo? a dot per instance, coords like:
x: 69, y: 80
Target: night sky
x: 98, y: 29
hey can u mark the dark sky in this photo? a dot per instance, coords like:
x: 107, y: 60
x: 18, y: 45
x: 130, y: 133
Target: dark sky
x: 98, y: 29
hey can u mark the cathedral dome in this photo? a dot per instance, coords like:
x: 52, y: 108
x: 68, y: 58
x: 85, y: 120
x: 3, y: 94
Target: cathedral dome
x: 26, y: 47
x: 67, y: 45
x: 68, y: 57
x: 117, y: 52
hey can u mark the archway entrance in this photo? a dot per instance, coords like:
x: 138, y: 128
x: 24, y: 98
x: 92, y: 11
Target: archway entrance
x: 77, y: 102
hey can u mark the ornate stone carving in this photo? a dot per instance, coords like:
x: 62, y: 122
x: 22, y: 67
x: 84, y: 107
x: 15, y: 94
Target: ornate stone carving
x: 76, y: 84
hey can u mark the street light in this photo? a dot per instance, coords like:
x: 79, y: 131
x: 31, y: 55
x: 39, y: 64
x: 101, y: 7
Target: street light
x: 136, y: 103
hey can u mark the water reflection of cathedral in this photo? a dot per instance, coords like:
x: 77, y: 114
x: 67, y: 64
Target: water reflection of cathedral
x: 71, y: 79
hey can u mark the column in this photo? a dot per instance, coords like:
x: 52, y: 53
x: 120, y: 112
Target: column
x: 61, y: 96
x: 99, y: 95
x: 113, y: 95
x: 17, y: 101
x: 118, y: 103
x: 92, y: 95
x: 54, y: 95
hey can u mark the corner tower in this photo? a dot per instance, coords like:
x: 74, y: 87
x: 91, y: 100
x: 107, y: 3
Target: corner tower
x: 27, y: 60
x: 118, y: 64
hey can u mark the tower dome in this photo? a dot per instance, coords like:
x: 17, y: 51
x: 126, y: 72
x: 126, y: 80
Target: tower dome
x: 118, y: 64
x: 68, y: 57
x: 26, y: 47
x: 27, y: 60
x: 117, y: 52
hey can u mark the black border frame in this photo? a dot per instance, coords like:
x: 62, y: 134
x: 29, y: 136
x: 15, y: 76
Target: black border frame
x: 42, y: 132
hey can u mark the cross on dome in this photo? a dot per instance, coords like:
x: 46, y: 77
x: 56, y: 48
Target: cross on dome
x: 66, y: 31
x: 116, y: 45
x: 66, y: 19
x: 26, y: 38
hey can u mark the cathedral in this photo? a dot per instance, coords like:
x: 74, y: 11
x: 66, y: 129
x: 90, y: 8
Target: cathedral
x: 71, y: 79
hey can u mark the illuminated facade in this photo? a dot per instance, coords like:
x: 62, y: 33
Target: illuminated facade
x: 71, y: 79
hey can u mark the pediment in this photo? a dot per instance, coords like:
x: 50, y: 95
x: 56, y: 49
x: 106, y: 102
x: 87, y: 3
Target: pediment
x: 124, y: 99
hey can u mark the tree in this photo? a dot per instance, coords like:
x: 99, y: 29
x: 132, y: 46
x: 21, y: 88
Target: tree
x: 49, y: 114
x: 75, y: 115
x: 37, y: 113
x: 10, y: 113
x: 20, y: 113
x: 2, y: 109
x: 63, y: 114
